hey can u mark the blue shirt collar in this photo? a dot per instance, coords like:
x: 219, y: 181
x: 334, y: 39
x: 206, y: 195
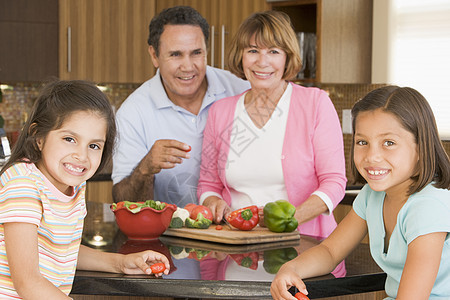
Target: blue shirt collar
x: 215, y: 87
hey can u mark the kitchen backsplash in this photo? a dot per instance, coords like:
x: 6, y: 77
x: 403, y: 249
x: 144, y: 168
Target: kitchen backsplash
x: 18, y: 99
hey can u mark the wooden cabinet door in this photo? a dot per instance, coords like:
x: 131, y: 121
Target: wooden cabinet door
x: 105, y: 40
x: 207, y: 8
x: 346, y: 41
x: 236, y: 12
x: 224, y: 18
x: 28, y: 37
x: 344, y: 36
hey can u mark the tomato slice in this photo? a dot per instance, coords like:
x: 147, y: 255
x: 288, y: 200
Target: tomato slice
x: 301, y: 296
x: 158, y: 268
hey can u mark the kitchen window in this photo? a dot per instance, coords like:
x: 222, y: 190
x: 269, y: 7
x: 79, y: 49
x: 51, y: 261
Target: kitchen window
x: 412, y: 48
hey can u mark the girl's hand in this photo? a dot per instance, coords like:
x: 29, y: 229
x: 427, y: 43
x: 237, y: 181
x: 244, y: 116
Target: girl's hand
x: 140, y: 262
x: 284, y: 280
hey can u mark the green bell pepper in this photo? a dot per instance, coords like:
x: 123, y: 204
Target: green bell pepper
x: 279, y: 216
x: 274, y: 259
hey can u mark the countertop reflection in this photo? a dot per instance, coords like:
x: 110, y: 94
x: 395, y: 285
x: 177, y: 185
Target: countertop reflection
x: 217, y: 271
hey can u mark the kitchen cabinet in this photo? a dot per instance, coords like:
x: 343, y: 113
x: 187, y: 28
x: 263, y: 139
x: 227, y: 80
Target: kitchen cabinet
x: 99, y: 191
x: 105, y: 40
x: 29, y: 40
x: 224, y: 18
x: 343, y: 30
x: 339, y: 214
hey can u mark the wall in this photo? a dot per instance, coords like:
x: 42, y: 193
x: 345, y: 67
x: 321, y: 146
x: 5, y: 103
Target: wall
x: 17, y: 102
x: 18, y: 99
x: 380, y: 38
x: 343, y: 97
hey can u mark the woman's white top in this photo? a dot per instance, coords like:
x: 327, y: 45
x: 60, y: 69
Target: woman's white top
x: 253, y: 171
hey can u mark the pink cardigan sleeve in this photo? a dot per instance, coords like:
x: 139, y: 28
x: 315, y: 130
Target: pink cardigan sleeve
x: 209, y: 178
x: 329, y: 151
x: 313, y: 154
x: 216, y: 137
x: 313, y: 147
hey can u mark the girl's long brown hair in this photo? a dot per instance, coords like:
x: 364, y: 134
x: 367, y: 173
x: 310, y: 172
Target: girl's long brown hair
x: 56, y: 101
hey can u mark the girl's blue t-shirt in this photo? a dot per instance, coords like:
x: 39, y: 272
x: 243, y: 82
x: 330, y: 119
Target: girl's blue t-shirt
x: 424, y: 212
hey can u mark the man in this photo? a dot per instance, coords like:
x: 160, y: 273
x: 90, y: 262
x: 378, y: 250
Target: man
x: 161, y: 124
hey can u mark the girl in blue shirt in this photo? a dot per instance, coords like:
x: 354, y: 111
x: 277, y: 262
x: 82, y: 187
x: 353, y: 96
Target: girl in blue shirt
x: 405, y: 205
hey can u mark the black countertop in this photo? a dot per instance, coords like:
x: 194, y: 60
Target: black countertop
x: 210, y: 270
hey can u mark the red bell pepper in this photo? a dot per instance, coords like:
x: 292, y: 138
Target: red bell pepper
x: 245, y: 218
x: 246, y: 260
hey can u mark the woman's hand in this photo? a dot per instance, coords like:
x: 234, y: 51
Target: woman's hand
x: 284, y: 280
x: 261, y: 216
x: 140, y: 262
x: 218, y: 207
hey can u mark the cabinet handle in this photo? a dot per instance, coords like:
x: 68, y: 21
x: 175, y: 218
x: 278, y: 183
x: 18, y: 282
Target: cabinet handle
x: 212, y: 46
x: 69, y: 49
x: 223, y: 48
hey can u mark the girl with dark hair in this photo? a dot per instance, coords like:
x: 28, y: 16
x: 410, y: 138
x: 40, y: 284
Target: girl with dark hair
x: 68, y: 137
x: 404, y: 207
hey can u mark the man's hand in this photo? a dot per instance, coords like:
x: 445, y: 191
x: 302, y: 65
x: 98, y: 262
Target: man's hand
x: 164, y: 154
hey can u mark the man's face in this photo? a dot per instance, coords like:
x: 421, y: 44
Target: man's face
x: 181, y: 61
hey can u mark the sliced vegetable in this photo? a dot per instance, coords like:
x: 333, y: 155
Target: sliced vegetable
x: 279, y: 216
x: 133, y: 207
x: 158, y: 268
x: 246, y: 260
x: 245, y: 218
x: 155, y: 204
x: 200, y: 223
x: 136, y: 207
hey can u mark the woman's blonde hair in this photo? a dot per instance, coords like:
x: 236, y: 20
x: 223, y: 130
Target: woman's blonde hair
x: 270, y: 29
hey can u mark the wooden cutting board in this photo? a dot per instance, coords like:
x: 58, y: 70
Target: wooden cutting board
x: 226, y: 248
x: 233, y: 236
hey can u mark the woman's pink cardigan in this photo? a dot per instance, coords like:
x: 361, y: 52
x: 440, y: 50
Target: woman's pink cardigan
x: 312, y: 156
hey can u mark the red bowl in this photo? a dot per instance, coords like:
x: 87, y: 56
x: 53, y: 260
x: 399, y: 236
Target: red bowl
x: 147, y: 224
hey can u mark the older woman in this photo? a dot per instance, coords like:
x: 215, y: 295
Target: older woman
x: 277, y: 140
